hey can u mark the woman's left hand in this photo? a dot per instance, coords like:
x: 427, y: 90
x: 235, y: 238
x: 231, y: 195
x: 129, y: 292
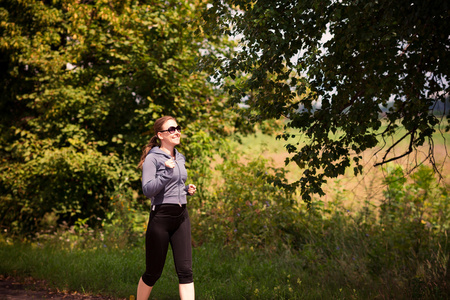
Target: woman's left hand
x: 191, y: 190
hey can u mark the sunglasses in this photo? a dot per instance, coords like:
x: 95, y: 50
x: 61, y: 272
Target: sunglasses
x: 172, y: 129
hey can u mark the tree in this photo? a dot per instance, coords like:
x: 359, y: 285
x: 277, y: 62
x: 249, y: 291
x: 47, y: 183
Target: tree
x: 333, y: 68
x: 82, y: 83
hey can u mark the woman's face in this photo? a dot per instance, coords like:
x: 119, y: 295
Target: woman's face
x: 167, y: 138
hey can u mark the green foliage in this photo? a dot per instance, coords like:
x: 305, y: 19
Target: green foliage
x: 402, y: 246
x: 244, y: 209
x: 336, y: 66
x: 81, y: 85
x: 422, y: 207
x: 64, y: 182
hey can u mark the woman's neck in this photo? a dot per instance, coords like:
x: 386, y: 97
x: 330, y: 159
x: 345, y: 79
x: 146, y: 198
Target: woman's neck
x: 168, y: 150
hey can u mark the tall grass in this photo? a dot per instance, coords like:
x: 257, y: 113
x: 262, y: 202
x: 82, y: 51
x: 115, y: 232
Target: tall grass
x: 220, y: 274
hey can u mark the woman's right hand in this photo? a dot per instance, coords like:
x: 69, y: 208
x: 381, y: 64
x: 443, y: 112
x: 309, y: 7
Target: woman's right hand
x: 170, y: 163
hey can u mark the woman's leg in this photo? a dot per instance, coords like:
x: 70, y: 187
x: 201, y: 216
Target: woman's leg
x: 143, y: 290
x: 156, y: 246
x: 182, y: 255
x: 187, y: 291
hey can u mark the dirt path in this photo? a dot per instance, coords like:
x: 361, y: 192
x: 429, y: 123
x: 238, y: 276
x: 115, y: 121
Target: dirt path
x: 14, y: 289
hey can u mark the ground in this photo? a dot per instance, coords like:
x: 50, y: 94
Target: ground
x: 15, y: 289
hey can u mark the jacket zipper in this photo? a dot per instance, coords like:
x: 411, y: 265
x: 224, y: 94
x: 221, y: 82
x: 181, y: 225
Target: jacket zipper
x: 179, y: 181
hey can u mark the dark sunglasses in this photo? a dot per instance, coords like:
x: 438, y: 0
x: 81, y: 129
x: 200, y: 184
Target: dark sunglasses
x: 172, y: 129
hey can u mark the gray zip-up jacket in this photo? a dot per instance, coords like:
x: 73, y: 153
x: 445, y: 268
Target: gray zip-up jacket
x: 161, y: 184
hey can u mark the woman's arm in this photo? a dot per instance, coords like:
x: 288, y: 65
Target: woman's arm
x: 154, y: 178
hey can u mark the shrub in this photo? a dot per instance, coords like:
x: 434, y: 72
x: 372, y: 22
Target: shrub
x: 244, y: 210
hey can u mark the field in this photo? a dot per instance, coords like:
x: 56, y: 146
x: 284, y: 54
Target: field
x: 355, y: 189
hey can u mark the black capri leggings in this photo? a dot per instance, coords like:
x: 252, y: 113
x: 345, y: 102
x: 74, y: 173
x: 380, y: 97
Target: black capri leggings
x: 169, y: 223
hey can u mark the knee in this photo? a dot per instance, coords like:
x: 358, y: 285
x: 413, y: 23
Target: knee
x: 185, y: 276
x: 150, y: 279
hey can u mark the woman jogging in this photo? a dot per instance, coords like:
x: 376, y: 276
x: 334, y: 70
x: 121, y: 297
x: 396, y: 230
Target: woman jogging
x: 163, y: 180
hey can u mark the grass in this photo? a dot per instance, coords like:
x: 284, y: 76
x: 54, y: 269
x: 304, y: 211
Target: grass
x: 102, y: 271
x: 220, y: 274
x: 332, y: 258
x: 115, y: 272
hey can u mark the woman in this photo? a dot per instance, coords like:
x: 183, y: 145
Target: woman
x: 163, y: 180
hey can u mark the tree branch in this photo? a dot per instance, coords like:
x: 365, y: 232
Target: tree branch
x: 410, y: 149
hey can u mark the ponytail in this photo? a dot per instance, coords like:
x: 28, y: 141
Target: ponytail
x: 152, y: 143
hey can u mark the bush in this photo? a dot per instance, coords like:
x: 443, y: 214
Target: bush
x: 243, y: 210
x: 66, y: 184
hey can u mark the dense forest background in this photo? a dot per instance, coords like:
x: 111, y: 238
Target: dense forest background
x: 82, y: 83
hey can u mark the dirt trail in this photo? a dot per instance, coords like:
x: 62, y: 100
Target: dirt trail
x: 14, y: 289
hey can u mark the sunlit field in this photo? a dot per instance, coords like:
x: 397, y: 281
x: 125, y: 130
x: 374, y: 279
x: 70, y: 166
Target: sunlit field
x: 361, y: 188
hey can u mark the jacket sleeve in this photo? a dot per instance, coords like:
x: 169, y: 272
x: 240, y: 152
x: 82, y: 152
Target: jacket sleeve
x: 182, y: 159
x: 154, y: 178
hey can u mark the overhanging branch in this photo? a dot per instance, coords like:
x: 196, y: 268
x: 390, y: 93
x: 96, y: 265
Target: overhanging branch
x: 410, y: 149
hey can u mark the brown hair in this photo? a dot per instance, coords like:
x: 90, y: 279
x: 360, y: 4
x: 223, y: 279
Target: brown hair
x: 154, y: 141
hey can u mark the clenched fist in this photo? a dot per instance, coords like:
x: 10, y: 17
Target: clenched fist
x: 191, y: 190
x: 170, y: 163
